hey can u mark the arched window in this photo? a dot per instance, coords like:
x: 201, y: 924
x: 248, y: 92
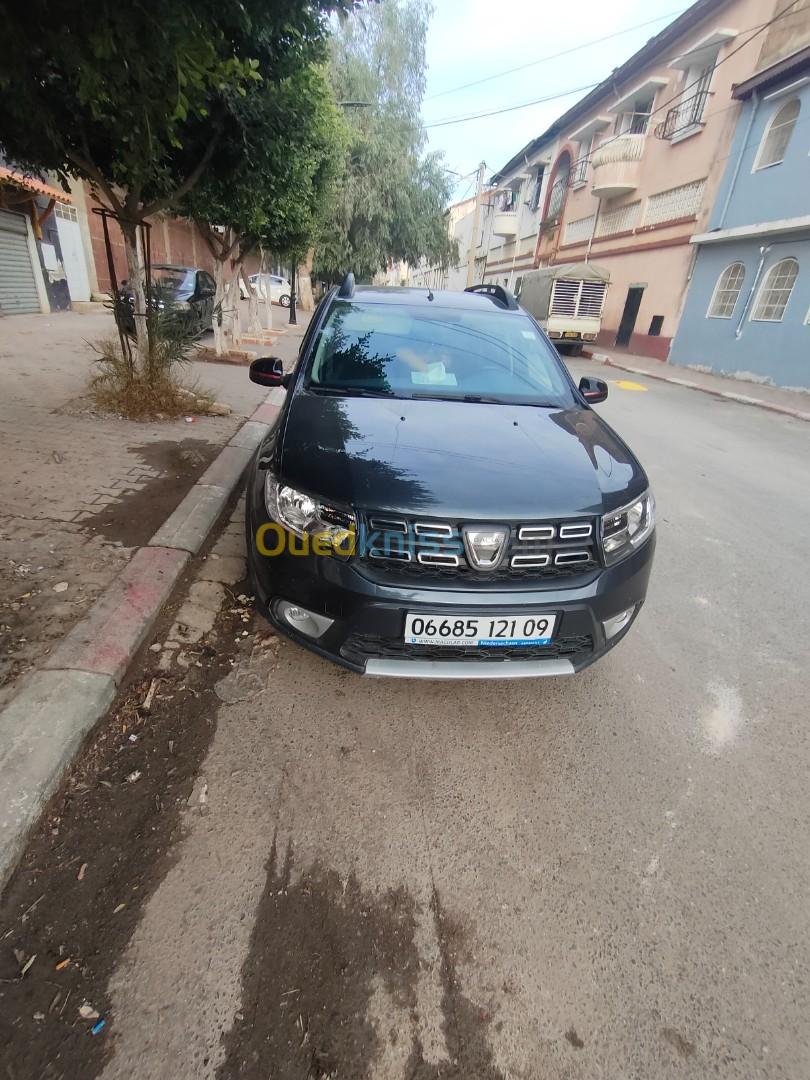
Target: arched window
x: 775, y: 290
x: 777, y: 135
x: 726, y: 292
x: 559, y: 186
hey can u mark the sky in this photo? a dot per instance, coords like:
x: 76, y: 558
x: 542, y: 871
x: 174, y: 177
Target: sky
x: 472, y: 39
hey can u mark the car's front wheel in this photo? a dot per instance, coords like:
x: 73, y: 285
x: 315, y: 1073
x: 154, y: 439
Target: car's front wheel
x: 284, y: 300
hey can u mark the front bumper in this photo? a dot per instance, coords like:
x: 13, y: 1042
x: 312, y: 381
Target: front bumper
x: 366, y: 634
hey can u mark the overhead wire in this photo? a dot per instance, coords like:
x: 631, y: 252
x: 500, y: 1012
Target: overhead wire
x: 553, y: 56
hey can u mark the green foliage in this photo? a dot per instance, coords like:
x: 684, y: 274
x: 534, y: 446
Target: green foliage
x: 137, y: 95
x: 275, y: 164
x: 391, y: 196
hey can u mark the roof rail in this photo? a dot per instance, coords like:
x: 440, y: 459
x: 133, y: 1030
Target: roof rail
x: 346, y: 289
x: 497, y: 293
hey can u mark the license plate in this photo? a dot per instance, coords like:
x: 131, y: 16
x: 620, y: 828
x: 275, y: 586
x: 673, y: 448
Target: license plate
x: 488, y: 631
x: 570, y: 334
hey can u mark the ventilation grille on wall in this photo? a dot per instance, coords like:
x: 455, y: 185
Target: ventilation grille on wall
x: 679, y: 202
x: 621, y: 219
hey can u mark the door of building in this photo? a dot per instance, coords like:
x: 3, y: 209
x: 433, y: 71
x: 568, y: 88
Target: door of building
x: 18, y: 288
x: 70, y: 241
x: 629, y: 315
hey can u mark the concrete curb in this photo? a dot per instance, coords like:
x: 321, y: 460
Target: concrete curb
x: 56, y: 706
x: 729, y: 395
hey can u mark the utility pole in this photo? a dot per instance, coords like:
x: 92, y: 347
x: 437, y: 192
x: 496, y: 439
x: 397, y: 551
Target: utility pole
x: 479, y: 188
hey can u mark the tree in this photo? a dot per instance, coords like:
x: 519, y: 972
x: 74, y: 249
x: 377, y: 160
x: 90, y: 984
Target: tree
x: 391, y: 194
x: 268, y: 179
x: 135, y: 98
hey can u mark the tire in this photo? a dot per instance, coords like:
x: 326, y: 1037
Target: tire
x: 284, y: 300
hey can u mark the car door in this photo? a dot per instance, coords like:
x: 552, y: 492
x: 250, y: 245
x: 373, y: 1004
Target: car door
x: 204, y: 294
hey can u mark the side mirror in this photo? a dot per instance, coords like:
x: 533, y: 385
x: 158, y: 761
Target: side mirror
x: 267, y: 371
x: 593, y: 390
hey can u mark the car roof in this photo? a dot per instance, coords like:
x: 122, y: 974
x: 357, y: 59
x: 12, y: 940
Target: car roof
x: 173, y: 266
x: 428, y: 298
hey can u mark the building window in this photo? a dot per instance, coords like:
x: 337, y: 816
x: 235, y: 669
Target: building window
x: 656, y: 324
x: 637, y: 121
x: 507, y: 200
x: 686, y: 117
x: 518, y: 285
x: 777, y: 135
x: 538, y: 189
x: 560, y: 180
x: 774, y: 292
x: 726, y: 292
x: 579, y: 170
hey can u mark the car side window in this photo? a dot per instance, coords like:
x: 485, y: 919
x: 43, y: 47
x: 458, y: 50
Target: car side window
x: 202, y: 288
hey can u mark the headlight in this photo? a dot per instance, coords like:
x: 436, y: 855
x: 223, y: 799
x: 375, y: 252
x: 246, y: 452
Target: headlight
x: 307, y: 517
x: 627, y: 528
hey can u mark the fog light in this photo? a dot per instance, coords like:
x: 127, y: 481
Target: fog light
x: 305, y: 622
x: 618, y: 622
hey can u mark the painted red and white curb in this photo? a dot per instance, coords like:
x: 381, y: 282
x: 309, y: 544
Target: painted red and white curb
x: 57, y: 705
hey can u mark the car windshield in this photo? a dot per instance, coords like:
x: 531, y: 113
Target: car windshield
x: 454, y: 353
x: 170, y: 282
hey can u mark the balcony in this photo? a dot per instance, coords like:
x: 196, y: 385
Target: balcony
x: 684, y: 119
x: 505, y: 223
x: 617, y: 166
x: 579, y: 173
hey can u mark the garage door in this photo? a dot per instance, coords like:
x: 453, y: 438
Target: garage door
x: 18, y: 290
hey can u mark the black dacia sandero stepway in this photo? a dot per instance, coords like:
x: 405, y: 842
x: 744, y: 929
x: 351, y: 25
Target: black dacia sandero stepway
x: 437, y: 498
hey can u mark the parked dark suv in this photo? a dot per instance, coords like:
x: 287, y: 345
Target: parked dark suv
x: 439, y: 499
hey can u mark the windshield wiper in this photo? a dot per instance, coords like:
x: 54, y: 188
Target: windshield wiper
x: 483, y: 399
x: 350, y: 391
x: 478, y: 399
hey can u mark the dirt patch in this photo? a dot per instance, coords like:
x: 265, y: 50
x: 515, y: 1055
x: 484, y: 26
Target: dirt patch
x: 320, y: 947
x: 49, y: 577
x: 99, y: 852
x: 133, y: 519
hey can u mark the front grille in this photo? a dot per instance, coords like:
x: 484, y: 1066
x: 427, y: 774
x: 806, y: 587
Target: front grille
x: 358, y: 648
x: 419, y: 548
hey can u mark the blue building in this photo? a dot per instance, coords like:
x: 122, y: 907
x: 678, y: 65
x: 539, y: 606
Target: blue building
x: 747, y: 311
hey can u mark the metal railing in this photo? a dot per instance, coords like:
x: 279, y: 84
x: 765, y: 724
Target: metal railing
x: 579, y: 172
x: 683, y: 116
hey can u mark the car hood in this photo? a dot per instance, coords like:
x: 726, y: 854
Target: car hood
x: 455, y: 459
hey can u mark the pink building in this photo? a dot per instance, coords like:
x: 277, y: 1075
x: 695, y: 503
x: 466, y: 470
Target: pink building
x: 628, y: 175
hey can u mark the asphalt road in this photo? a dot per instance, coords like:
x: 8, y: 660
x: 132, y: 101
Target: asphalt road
x: 601, y: 877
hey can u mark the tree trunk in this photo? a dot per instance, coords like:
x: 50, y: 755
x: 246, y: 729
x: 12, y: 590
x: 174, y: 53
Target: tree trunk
x: 293, y: 282
x: 306, y: 299
x: 136, y: 272
x: 232, y: 326
x: 254, y: 322
x: 219, y: 306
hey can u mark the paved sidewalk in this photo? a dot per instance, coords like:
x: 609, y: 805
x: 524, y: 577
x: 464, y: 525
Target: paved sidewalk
x: 78, y: 492
x: 789, y: 402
